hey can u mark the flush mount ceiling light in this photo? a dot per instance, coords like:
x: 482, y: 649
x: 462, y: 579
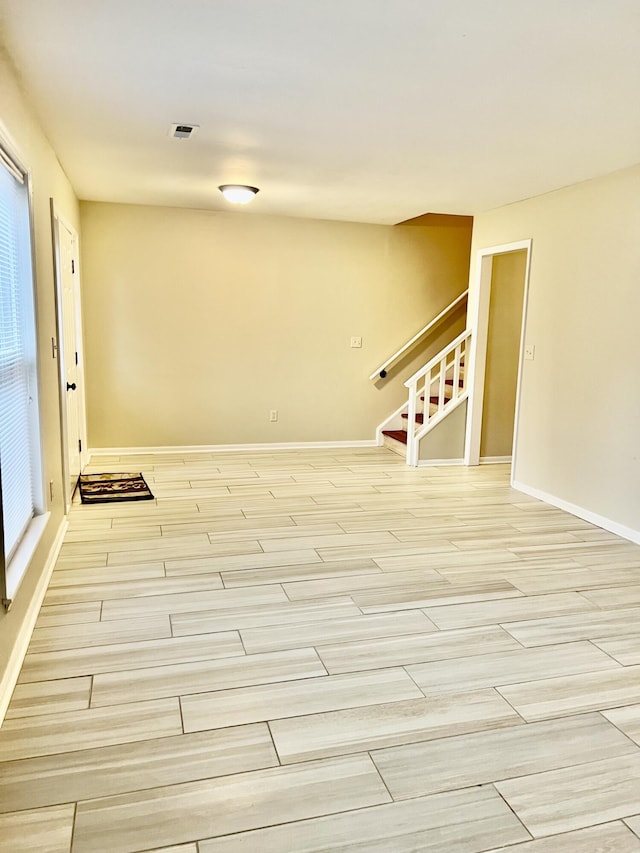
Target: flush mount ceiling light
x: 238, y: 193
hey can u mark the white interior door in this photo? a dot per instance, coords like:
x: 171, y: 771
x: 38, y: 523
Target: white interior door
x: 69, y: 356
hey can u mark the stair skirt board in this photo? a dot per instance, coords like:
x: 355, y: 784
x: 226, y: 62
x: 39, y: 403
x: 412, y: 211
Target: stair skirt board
x: 229, y: 448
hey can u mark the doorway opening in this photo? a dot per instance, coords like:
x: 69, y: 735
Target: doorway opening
x: 497, y: 353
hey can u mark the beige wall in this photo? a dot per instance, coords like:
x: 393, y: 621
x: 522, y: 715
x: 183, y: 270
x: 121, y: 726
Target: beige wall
x: 579, y: 427
x: 503, y: 350
x: 48, y: 181
x: 198, y: 323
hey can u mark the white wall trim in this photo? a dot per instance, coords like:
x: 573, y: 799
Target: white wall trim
x: 12, y: 671
x: 481, y: 293
x: 19, y: 563
x: 394, y: 420
x: 229, y: 448
x: 484, y: 460
x: 586, y: 514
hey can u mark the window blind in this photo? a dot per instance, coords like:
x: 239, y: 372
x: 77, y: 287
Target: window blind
x: 17, y: 357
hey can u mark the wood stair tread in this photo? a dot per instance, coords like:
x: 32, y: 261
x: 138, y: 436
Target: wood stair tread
x: 419, y: 417
x: 397, y: 434
x: 401, y: 435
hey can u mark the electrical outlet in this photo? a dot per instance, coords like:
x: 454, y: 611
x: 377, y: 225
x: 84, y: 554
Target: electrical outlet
x: 356, y: 343
x: 273, y: 415
x: 529, y: 352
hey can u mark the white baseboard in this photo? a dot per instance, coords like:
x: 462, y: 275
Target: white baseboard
x: 10, y: 675
x: 484, y: 460
x: 230, y: 448
x: 586, y: 514
x: 436, y: 463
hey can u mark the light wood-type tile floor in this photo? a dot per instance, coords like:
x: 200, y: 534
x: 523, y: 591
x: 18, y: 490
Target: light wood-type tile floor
x: 303, y: 652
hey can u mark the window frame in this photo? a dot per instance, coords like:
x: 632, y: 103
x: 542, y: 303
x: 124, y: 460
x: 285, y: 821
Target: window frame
x: 12, y: 571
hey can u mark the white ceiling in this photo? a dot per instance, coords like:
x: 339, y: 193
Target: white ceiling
x: 365, y: 110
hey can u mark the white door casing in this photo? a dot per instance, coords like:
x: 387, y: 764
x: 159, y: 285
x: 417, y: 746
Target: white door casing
x: 480, y: 326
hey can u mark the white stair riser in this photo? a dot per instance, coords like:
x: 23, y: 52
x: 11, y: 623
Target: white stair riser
x: 395, y: 446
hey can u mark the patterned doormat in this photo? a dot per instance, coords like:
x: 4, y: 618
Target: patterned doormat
x: 106, y: 488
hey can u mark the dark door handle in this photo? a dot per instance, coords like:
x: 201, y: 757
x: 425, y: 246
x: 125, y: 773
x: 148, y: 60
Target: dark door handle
x: 71, y: 387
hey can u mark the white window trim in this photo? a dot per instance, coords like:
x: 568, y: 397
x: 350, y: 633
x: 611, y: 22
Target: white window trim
x: 12, y: 574
x: 19, y: 563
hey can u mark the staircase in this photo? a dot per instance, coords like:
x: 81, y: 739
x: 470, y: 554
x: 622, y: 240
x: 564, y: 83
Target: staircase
x: 434, y: 391
x: 396, y: 439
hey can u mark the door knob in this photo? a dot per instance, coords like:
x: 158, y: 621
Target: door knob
x: 71, y: 387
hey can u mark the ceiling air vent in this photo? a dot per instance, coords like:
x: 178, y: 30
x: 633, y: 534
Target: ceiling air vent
x: 183, y: 131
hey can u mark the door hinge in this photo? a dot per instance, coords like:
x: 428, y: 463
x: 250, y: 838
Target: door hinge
x: 80, y: 445
x: 54, y: 348
x: 76, y: 359
x: 73, y: 266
